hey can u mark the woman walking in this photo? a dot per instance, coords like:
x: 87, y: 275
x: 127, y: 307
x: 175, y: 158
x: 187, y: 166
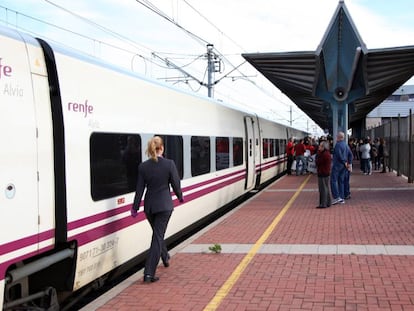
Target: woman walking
x: 156, y: 175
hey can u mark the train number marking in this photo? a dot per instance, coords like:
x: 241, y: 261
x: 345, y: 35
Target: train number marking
x: 99, y: 250
x: 89, y: 269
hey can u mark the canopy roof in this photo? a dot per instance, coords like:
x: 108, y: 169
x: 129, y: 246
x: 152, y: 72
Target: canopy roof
x: 341, y: 70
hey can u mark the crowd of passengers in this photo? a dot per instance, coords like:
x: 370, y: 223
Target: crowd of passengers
x: 333, y: 163
x: 372, y: 154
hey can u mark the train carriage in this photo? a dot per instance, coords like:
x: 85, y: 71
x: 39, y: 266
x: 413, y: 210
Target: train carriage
x: 73, y: 131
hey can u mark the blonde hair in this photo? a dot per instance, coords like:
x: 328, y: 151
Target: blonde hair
x: 154, y: 146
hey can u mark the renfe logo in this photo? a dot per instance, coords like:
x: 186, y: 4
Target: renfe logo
x: 5, y: 71
x: 83, y: 108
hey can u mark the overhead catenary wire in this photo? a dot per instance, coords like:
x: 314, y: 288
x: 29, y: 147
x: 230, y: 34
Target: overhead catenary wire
x: 224, y: 58
x: 156, y: 10
x: 102, y: 28
x: 121, y: 37
x: 235, y: 68
x: 213, y: 25
x: 111, y: 45
x: 149, y: 5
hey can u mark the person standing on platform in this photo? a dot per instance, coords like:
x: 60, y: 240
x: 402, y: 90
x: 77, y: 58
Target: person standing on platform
x: 300, y: 157
x: 323, y: 166
x: 290, y: 150
x: 347, y: 184
x: 339, y: 167
x: 366, y: 157
x: 156, y: 175
x: 383, y: 154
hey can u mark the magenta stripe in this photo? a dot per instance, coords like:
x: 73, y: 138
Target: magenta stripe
x: 27, y: 241
x: 97, y: 217
x: 34, y: 239
x: 203, y: 183
x: 210, y: 189
x: 264, y: 165
x: 270, y: 164
x: 101, y: 231
x: 116, y: 211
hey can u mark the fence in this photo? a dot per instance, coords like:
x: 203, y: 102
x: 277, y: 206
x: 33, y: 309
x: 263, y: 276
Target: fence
x: 398, y: 134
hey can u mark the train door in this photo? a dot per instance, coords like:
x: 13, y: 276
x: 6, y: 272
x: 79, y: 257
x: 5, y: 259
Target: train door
x: 250, y: 153
x: 19, y: 221
x: 45, y: 161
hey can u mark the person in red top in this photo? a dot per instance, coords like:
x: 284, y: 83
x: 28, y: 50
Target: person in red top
x: 323, y: 166
x: 309, y: 146
x: 290, y: 150
x: 300, y: 157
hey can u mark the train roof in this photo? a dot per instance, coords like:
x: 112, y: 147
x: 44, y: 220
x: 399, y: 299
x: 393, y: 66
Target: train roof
x: 70, y: 52
x: 59, y: 48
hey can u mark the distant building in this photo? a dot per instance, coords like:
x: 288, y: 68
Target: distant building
x: 399, y: 103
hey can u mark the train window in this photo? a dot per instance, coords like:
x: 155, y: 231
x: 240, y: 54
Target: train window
x: 173, y: 149
x: 271, y: 147
x: 200, y: 155
x: 222, y: 153
x: 237, y: 151
x: 283, y: 144
x: 277, y: 149
x: 114, y: 160
x: 265, y: 148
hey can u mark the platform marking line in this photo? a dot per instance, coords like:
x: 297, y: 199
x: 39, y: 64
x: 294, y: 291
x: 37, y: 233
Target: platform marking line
x: 233, y: 278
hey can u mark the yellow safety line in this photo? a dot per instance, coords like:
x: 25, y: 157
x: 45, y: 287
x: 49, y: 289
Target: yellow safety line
x: 228, y: 285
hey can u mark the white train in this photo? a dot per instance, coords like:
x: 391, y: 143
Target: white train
x: 71, y: 128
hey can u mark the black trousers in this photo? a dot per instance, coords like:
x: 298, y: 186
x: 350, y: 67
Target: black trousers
x: 289, y: 164
x: 158, y: 249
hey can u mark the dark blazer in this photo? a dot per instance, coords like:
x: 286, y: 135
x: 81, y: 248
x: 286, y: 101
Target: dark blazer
x: 157, y: 178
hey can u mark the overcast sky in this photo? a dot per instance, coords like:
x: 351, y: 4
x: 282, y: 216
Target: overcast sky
x: 232, y: 26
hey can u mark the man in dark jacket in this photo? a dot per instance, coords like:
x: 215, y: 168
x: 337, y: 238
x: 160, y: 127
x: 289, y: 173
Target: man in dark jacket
x: 347, y: 189
x: 323, y: 166
x: 339, y: 168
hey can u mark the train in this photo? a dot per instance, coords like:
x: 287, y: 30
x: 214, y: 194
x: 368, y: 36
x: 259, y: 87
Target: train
x: 73, y: 129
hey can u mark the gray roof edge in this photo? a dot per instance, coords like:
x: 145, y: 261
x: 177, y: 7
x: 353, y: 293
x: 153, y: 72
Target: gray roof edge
x: 390, y: 108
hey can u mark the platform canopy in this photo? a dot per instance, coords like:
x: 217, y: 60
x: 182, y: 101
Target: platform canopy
x: 342, y: 81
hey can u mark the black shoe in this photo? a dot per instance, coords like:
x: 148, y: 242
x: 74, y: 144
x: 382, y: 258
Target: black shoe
x: 166, y: 262
x: 150, y: 279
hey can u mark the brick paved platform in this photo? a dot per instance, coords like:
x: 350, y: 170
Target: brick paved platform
x: 353, y: 256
